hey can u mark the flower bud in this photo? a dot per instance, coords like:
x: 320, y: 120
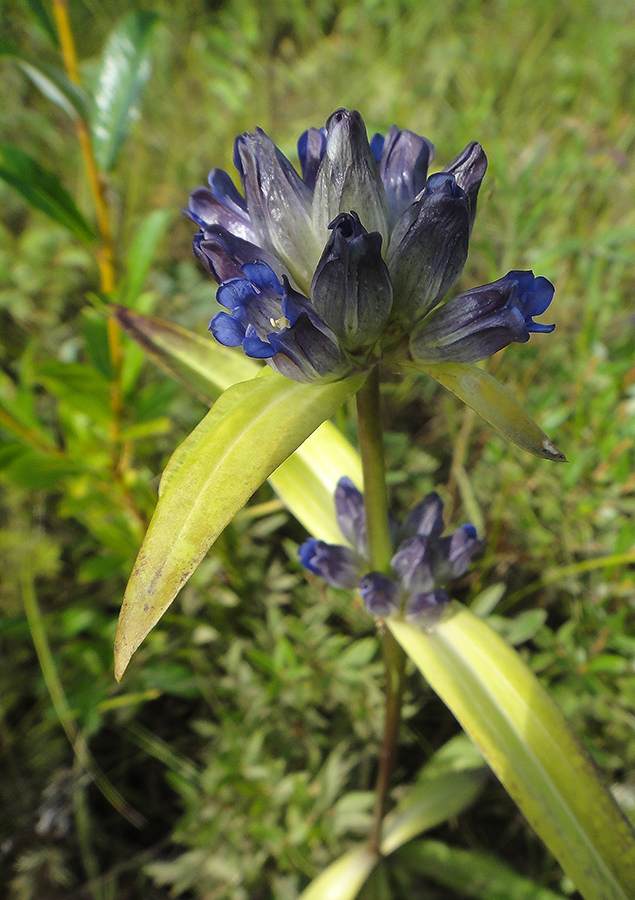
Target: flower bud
x: 351, y: 288
x: 403, y: 158
x: 428, y: 248
x: 469, y: 170
x: 477, y: 323
x: 348, y: 177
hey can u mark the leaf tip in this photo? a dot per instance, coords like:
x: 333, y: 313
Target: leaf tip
x: 551, y: 452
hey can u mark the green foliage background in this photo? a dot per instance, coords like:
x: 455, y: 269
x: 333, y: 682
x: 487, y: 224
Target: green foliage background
x: 246, y: 729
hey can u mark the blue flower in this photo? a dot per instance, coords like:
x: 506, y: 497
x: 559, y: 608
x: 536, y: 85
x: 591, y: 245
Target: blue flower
x: 477, y: 323
x: 326, y: 271
x: 422, y: 567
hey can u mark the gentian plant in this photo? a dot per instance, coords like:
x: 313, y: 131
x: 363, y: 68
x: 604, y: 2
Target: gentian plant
x: 326, y: 275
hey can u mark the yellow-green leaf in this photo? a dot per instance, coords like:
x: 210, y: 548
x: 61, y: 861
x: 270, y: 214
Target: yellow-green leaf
x: 496, y: 404
x: 529, y: 745
x: 252, y: 428
x: 306, y: 481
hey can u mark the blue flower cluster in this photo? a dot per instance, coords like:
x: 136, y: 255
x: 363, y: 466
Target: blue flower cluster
x: 325, y: 272
x: 424, y: 564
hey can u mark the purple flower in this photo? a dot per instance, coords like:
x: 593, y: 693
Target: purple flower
x: 327, y: 271
x: 423, y: 565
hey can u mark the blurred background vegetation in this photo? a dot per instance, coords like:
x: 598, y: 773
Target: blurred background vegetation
x: 235, y: 759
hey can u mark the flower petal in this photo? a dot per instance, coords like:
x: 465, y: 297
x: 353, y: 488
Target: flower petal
x: 411, y: 565
x: 469, y: 169
x: 311, y: 148
x: 351, y: 514
x: 426, y: 518
x: 207, y: 210
x: 223, y: 254
x: 380, y: 594
x: 479, y: 322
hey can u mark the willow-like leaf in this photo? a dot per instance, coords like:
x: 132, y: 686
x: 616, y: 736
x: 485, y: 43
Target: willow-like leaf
x: 124, y: 70
x: 529, y: 745
x: 142, y: 252
x: 472, y: 874
x: 52, y: 81
x: 249, y: 431
x: 495, y: 403
x: 43, y: 190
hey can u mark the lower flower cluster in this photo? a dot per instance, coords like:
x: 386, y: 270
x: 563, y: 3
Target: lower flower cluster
x: 424, y: 564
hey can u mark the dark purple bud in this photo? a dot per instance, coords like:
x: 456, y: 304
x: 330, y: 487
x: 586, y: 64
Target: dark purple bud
x: 380, y: 594
x: 426, y: 607
x: 411, y: 565
x: 403, y: 162
x: 426, y: 518
x: 451, y: 556
x: 348, y: 177
x: 351, y: 287
x: 469, y: 170
x: 478, y: 323
x: 311, y: 147
x: 351, y: 514
x: 338, y: 566
x: 428, y: 249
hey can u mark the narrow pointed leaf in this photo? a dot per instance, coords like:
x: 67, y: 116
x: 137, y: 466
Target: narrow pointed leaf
x: 251, y: 429
x: 431, y: 802
x: 306, y: 481
x: 531, y: 748
x: 472, y: 874
x: 40, y: 13
x: 43, y: 190
x: 57, y: 87
x: 142, y: 252
x: 496, y: 404
x: 124, y: 70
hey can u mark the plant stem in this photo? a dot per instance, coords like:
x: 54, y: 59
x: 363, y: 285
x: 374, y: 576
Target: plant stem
x: 371, y: 445
x: 380, y: 551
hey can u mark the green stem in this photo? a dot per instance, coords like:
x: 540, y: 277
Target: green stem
x: 371, y: 445
x: 380, y: 551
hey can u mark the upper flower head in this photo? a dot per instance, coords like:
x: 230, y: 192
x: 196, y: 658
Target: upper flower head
x: 424, y: 564
x: 359, y: 249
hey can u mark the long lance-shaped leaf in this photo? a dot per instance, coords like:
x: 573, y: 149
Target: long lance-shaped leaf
x: 306, y: 481
x: 125, y: 68
x: 43, y: 190
x: 495, y: 403
x: 53, y: 82
x: 430, y: 802
x: 531, y: 748
x: 471, y: 874
x: 251, y: 429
